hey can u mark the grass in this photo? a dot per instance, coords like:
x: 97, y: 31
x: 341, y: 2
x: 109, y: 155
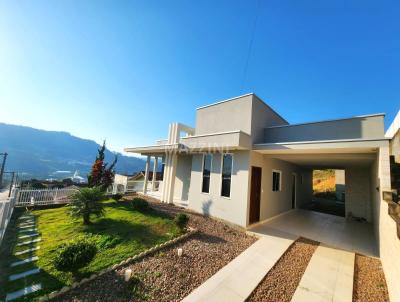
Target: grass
x: 324, y: 181
x: 122, y: 233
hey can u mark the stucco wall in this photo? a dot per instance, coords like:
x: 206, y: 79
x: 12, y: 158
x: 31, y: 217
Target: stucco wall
x: 182, y: 177
x: 357, y: 196
x: 385, y: 226
x: 120, y: 179
x: 248, y: 113
x: 395, y: 147
x: 353, y: 128
x: 233, y: 209
x: 226, y: 116
x: 274, y: 203
x: 263, y: 116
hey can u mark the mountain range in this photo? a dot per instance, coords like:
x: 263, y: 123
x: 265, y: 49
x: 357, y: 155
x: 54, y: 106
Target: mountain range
x: 42, y: 154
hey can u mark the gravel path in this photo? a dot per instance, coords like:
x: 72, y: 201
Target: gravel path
x: 369, y: 281
x: 282, y: 280
x: 165, y: 276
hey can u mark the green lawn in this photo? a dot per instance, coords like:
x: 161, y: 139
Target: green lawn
x: 122, y: 233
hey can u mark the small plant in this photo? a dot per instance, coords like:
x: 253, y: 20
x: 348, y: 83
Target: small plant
x: 87, y: 202
x: 74, y: 255
x: 140, y: 205
x: 117, y: 197
x: 181, y: 220
x: 102, y: 241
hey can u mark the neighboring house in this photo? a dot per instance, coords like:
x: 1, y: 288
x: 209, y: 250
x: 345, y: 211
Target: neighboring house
x: 135, y: 182
x: 244, y: 163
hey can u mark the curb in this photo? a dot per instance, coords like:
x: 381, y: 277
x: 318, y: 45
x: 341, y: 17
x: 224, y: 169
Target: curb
x: 139, y: 256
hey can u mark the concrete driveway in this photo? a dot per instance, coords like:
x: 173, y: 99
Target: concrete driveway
x: 331, y: 230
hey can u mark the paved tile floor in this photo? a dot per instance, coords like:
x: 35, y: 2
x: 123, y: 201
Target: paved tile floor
x: 334, y: 231
x: 328, y: 277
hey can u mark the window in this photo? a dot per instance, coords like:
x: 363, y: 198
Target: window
x: 226, y: 175
x: 276, y: 181
x: 205, y: 187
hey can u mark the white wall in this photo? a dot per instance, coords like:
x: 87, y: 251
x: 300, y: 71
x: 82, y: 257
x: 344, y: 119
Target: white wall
x: 357, y: 195
x: 385, y: 226
x: 274, y: 203
x: 182, y: 177
x: 233, y: 209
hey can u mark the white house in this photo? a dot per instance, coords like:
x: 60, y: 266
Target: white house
x: 244, y: 163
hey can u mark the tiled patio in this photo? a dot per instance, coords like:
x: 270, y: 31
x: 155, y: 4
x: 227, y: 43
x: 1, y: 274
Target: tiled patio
x: 331, y: 230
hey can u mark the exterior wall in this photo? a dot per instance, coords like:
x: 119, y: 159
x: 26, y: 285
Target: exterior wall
x: 248, y: 113
x: 233, y: 209
x: 395, y: 147
x: 274, y: 203
x: 263, y: 116
x: 340, y: 185
x: 120, y: 179
x: 182, y: 177
x: 358, y: 198
x: 353, y: 128
x: 225, y: 116
x: 385, y: 226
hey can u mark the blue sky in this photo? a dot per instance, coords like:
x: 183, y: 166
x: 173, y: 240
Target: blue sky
x: 123, y: 70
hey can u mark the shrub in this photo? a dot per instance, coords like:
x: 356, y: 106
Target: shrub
x: 181, y: 220
x: 117, y: 197
x: 74, y: 255
x: 87, y: 202
x: 139, y: 204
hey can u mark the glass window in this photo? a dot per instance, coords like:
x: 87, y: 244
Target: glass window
x: 205, y: 187
x: 226, y: 175
x: 276, y: 181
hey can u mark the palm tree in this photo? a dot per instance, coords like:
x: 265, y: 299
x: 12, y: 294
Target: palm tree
x: 86, y: 202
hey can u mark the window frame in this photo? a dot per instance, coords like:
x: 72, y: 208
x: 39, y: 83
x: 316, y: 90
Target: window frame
x: 280, y: 180
x: 202, y: 173
x: 221, y: 175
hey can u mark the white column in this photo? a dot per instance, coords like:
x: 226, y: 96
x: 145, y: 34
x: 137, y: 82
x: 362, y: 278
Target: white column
x: 146, y: 174
x: 153, y: 184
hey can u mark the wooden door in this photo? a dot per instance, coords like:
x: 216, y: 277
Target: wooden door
x: 255, y: 195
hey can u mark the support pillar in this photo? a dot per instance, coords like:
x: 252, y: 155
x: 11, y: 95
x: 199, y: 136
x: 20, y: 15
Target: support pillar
x: 155, y: 168
x: 146, y: 174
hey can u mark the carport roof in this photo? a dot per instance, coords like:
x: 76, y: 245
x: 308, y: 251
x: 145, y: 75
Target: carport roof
x: 324, y: 154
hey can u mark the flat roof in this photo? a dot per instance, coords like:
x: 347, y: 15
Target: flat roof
x: 329, y: 120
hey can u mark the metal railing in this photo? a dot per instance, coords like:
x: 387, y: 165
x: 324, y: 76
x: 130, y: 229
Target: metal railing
x: 6, y: 209
x: 32, y: 197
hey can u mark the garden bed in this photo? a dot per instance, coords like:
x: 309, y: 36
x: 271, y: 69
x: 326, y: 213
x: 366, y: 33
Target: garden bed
x: 165, y: 276
x: 282, y: 280
x: 122, y: 233
x: 369, y: 280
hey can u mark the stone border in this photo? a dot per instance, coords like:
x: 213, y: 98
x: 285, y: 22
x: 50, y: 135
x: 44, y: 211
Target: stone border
x: 139, y: 256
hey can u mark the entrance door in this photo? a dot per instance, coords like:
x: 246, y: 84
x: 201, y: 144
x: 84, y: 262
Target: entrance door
x: 255, y: 195
x: 293, y: 191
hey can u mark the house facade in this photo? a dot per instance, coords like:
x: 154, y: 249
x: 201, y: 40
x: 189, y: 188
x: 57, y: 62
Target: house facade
x: 245, y: 164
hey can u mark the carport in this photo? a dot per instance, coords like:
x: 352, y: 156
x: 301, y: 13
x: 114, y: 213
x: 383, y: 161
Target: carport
x: 283, y: 209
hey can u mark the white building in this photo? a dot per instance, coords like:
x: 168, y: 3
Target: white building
x: 244, y: 163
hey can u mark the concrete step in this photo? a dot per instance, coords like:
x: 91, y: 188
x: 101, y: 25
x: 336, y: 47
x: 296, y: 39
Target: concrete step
x: 29, y: 241
x: 28, y: 236
x: 27, y: 260
x: 23, y: 292
x: 27, y: 251
x: 24, y: 274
